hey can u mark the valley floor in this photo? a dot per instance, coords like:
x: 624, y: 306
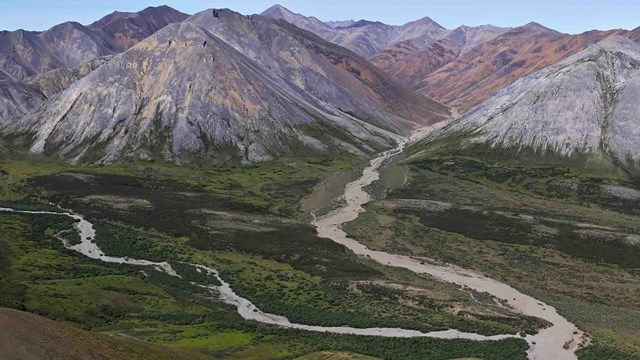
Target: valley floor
x: 578, y: 254
x: 242, y: 221
x: 562, y: 237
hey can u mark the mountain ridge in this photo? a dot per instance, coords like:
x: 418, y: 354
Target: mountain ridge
x: 477, y: 74
x: 580, y: 108
x: 233, y: 117
x: 364, y: 37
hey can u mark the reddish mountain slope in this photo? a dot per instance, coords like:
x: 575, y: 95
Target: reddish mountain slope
x: 479, y: 73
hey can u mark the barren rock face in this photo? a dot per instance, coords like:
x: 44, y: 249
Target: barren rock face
x: 225, y: 87
x: 24, y: 54
x: 407, y: 63
x: 68, y: 45
x: 411, y: 61
x: 54, y: 81
x: 586, y: 105
x: 17, y: 99
x: 127, y: 29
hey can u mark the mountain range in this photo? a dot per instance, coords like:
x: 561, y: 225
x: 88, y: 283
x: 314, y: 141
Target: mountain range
x: 365, y: 38
x: 214, y: 138
x: 583, y: 108
x: 223, y: 87
x: 218, y: 86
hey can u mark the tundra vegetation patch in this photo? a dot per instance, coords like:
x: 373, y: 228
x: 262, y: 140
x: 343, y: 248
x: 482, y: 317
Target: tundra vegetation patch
x: 237, y: 220
x: 564, y: 237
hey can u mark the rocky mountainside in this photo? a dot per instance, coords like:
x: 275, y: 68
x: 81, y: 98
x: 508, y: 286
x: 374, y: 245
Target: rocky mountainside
x: 363, y: 37
x: 340, y: 23
x: 68, y: 45
x: 584, y: 109
x: 310, y: 23
x: 128, y: 29
x: 25, y: 53
x: 634, y: 35
x: 36, y: 65
x: 224, y: 87
x: 411, y: 61
x: 17, y: 99
x: 468, y: 37
x: 480, y: 72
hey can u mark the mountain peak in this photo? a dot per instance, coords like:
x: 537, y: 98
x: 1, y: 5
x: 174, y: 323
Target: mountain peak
x: 425, y: 21
x: 363, y: 23
x: 538, y: 27
x: 277, y: 11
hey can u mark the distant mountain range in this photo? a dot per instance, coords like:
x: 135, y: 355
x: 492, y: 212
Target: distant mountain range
x: 364, y: 37
x: 218, y: 86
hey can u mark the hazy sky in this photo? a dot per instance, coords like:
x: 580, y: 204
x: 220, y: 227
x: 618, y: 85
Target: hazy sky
x: 570, y: 16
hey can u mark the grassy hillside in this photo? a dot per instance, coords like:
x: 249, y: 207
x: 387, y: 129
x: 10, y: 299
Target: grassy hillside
x: 27, y: 336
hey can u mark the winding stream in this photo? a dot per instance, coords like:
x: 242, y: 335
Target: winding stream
x: 559, y: 341
x: 556, y: 342
x: 245, y: 308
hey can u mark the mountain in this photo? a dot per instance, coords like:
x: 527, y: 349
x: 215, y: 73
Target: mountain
x: 369, y: 38
x: 468, y: 37
x: 340, y: 23
x: 225, y: 87
x: 411, y: 61
x: 279, y: 12
x: 583, y: 109
x: 26, y: 53
x: 363, y: 37
x: 634, y: 35
x: 36, y: 65
x: 16, y: 99
x: 128, y: 29
x: 54, y: 81
x: 480, y: 72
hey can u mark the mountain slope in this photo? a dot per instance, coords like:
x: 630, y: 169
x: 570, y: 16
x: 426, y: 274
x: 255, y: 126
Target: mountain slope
x: 409, y: 62
x: 279, y: 12
x: 16, y: 99
x: 485, y: 69
x: 127, y: 29
x: 583, y: 109
x: 54, y: 81
x: 225, y: 87
x: 27, y: 53
x: 363, y: 37
x: 634, y: 35
x: 468, y: 37
x: 340, y: 23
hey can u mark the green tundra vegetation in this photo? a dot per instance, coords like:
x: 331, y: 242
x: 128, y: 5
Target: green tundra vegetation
x: 244, y: 221
x: 567, y: 236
